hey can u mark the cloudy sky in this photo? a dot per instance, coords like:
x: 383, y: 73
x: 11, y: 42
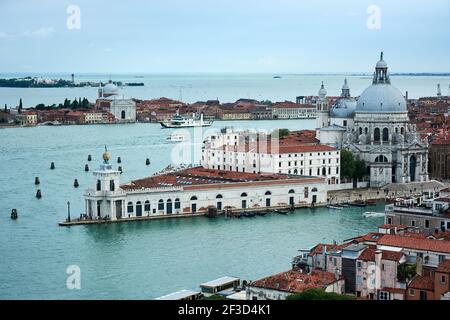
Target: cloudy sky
x: 291, y: 36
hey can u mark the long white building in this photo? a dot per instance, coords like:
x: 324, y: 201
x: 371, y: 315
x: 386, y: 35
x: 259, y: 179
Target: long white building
x: 194, y: 190
x: 261, y: 153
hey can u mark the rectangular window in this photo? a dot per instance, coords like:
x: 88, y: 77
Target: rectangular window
x: 427, y: 223
x: 412, y: 292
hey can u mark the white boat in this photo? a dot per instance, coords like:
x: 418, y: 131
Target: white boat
x: 179, y: 121
x: 370, y: 214
x: 335, y: 207
x: 176, y: 137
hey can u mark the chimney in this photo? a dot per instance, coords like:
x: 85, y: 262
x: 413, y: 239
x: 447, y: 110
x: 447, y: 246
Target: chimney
x: 419, y: 266
x: 378, y: 255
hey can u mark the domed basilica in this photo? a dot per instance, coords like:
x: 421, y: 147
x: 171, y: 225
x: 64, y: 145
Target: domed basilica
x: 376, y: 128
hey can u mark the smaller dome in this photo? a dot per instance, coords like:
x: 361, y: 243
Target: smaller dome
x: 110, y: 88
x: 322, y: 91
x: 106, y: 156
x: 343, y: 108
x: 381, y: 63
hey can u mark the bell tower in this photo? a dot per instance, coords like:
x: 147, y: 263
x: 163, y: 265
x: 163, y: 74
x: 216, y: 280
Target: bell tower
x: 323, y: 115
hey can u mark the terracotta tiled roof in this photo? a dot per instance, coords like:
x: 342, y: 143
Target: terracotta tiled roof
x: 415, y: 243
x: 200, y: 176
x: 444, y: 266
x: 422, y: 283
x: 296, y: 282
x: 393, y: 290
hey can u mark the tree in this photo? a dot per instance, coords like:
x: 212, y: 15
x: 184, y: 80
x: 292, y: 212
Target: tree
x: 351, y: 168
x: 347, y: 164
x: 281, y: 133
x: 318, y: 294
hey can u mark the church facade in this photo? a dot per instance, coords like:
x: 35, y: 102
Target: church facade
x: 377, y: 130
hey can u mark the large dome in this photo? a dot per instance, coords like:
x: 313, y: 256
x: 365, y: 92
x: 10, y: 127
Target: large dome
x: 381, y: 98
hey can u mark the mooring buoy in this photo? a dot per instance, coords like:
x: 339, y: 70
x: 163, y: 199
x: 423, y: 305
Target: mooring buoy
x: 52, y: 165
x: 119, y: 160
x: 120, y: 169
x: 147, y: 162
x: 76, y: 184
x: 38, y: 194
x: 89, y: 158
x: 14, y: 215
x: 86, y: 168
x: 36, y: 181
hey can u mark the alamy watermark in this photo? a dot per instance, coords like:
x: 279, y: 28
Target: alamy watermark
x: 374, y: 19
x: 74, y: 19
x: 74, y: 279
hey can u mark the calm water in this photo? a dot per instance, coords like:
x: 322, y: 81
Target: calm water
x: 133, y: 260
x: 225, y: 87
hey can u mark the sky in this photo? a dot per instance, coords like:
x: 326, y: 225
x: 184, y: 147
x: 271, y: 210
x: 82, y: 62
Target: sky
x: 239, y: 36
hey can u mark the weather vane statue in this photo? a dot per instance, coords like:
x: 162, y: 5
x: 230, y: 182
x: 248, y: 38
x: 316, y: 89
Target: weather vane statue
x: 106, y: 156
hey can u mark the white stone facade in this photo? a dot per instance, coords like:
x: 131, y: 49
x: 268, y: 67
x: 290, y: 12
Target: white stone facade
x: 241, y: 152
x: 108, y: 200
x: 124, y: 110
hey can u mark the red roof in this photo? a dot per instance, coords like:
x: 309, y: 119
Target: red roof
x: 295, y: 281
x: 198, y: 176
x: 444, y: 266
x: 422, y: 283
x: 415, y: 243
x: 369, y: 255
x: 393, y: 290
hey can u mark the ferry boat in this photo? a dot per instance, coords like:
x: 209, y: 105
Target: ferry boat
x: 179, y: 121
x: 176, y: 137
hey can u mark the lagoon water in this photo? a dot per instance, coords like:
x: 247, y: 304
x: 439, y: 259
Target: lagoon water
x: 138, y: 260
x: 225, y: 87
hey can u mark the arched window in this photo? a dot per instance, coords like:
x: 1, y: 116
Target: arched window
x: 138, y: 209
x: 161, y: 204
x: 122, y: 115
x: 314, y: 190
x: 193, y: 198
x: 376, y: 134
x: 366, y: 130
x: 324, y: 171
x: 219, y: 196
x: 243, y: 194
x: 130, y: 207
x: 385, y: 134
x: 291, y: 191
x: 360, y: 130
x: 111, y: 185
x: 147, y: 206
x: 381, y: 158
x: 177, y: 203
x: 99, y: 185
x: 402, y: 130
x: 295, y: 171
x: 268, y: 193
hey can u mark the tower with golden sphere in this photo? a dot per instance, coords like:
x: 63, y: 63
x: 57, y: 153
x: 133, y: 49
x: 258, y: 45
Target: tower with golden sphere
x: 107, y: 182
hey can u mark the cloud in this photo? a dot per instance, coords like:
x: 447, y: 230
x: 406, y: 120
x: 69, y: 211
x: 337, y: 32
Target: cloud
x: 37, y: 33
x: 40, y: 33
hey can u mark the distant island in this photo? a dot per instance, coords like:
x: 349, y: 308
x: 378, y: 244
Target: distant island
x: 36, y: 82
